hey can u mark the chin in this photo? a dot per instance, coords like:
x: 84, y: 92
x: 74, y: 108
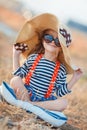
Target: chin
x: 51, y: 50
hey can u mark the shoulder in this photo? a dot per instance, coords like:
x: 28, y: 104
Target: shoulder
x: 32, y: 57
x: 62, y: 69
x: 62, y: 73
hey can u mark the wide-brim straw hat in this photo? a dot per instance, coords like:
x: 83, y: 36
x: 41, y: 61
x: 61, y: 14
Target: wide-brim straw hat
x: 30, y: 30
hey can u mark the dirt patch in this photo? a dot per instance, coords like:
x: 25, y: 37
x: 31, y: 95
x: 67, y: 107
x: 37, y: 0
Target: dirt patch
x: 12, y: 117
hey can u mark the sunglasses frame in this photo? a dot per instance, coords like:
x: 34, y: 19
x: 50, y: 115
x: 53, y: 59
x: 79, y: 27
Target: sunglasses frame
x: 50, y: 39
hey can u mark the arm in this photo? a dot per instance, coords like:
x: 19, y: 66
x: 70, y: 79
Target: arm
x: 23, y: 70
x: 16, y: 59
x: 17, y: 50
x: 61, y: 84
x: 76, y: 76
x: 64, y: 88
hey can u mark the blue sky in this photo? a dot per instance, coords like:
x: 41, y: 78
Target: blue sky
x: 64, y: 9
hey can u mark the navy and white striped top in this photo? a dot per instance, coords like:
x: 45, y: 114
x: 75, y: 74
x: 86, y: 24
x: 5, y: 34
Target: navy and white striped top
x: 42, y: 76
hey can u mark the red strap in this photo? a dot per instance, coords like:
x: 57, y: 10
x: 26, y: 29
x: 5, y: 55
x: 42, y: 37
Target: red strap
x: 54, y: 76
x: 33, y: 67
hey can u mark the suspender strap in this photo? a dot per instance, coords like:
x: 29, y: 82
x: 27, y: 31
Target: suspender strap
x: 54, y: 76
x: 33, y: 67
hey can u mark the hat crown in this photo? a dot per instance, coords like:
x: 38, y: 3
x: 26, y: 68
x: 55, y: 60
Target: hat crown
x: 45, y: 21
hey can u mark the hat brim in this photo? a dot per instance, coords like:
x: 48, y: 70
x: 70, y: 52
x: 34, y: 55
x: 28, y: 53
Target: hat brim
x: 29, y: 35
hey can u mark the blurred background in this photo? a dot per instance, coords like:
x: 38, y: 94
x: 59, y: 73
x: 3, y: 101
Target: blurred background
x: 14, y: 13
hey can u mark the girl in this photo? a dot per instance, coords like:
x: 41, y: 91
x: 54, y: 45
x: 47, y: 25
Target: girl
x: 47, y: 64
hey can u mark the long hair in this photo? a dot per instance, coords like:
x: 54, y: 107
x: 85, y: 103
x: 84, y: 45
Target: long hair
x: 39, y: 48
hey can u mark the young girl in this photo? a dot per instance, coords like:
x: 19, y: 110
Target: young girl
x: 41, y: 80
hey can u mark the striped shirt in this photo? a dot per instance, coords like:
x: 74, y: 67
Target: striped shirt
x: 42, y: 75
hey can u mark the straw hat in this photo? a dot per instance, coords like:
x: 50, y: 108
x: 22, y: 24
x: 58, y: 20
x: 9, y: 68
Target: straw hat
x: 28, y: 35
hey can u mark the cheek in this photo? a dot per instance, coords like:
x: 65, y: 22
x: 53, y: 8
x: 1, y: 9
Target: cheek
x: 44, y: 44
x: 50, y: 48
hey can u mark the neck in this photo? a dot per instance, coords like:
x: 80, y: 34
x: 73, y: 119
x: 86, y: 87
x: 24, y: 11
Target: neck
x: 50, y: 56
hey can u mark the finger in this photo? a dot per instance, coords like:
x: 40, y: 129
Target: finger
x: 24, y: 97
x: 19, y: 50
x: 26, y: 48
x: 16, y: 47
x: 75, y: 68
x: 25, y: 44
x: 17, y: 44
x: 21, y: 47
x: 79, y: 70
x: 23, y: 94
x: 18, y: 93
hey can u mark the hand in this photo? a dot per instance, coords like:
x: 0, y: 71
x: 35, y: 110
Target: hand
x: 21, y: 47
x: 78, y: 73
x: 16, y: 52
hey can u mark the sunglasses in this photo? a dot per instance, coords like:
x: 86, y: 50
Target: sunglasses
x: 49, y: 38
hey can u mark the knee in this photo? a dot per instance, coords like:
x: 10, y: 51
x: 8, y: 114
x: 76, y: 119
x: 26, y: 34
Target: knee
x: 14, y: 81
x: 65, y: 104
x: 62, y: 104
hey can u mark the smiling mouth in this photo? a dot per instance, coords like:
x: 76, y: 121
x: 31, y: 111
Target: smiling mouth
x: 53, y: 45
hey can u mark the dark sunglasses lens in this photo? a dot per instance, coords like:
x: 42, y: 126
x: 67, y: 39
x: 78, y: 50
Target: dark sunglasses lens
x: 57, y: 42
x: 48, y: 38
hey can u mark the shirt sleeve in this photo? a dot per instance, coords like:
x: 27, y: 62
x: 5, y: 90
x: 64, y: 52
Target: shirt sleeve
x: 24, y: 69
x: 61, y: 84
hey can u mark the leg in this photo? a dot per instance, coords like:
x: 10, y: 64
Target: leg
x: 19, y: 88
x: 57, y: 105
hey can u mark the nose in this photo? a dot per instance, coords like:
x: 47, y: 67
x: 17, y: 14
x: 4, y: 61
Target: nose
x: 53, y: 41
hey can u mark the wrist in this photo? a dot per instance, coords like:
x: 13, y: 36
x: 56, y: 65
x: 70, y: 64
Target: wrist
x: 75, y: 78
x: 16, y: 54
x: 24, y: 91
